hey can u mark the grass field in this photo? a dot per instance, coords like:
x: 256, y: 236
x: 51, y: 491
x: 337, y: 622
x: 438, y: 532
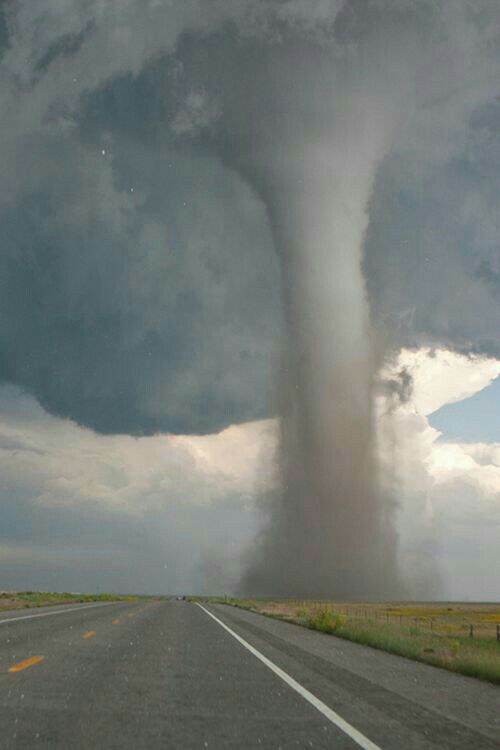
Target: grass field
x: 26, y: 599
x: 458, y: 637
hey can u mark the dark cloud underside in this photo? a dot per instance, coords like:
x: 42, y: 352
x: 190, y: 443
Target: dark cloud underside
x: 139, y: 288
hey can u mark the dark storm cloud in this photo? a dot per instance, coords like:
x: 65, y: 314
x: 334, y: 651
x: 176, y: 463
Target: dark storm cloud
x: 140, y: 292
x: 160, y: 309
x: 489, y: 276
x: 4, y: 33
x: 64, y: 47
x: 432, y: 250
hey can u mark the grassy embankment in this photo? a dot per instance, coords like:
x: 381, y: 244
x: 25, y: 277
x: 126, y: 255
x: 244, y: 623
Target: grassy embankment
x: 437, y: 634
x: 26, y: 599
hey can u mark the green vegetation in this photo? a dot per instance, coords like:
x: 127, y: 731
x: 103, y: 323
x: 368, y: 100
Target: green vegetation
x: 478, y: 657
x: 434, y: 634
x: 323, y: 619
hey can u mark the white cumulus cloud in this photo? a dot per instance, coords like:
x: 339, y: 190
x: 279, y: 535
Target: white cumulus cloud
x: 448, y: 492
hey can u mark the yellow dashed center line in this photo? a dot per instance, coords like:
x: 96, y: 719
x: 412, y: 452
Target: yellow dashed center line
x: 89, y: 634
x: 26, y: 663
x: 115, y: 622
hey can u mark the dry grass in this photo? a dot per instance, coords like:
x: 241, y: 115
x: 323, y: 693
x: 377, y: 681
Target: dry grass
x: 438, y: 634
x: 28, y: 599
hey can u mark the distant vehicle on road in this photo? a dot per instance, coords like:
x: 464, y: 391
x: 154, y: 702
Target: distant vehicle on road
x: 181, y: 598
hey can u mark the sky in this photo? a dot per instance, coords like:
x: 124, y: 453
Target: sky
x: 474, y: 420
x: 145, y: 293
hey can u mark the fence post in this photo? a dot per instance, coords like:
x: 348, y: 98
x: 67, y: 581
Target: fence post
x: 498, y: 633
x: 471, y: 632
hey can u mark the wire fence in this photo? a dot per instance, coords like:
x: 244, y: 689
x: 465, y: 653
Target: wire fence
x: 485, y: 626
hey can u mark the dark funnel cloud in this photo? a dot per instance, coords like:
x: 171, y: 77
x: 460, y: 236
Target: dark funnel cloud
x: 308, y: 127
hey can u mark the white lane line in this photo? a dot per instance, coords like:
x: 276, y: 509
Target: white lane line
x: 339, y: 722
x: 58, y: 612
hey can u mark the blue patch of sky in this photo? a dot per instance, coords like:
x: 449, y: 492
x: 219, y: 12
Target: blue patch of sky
x: 476, y: 419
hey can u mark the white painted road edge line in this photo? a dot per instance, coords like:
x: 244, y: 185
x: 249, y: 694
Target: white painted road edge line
x: 339, y: 722
x: 58, y: 612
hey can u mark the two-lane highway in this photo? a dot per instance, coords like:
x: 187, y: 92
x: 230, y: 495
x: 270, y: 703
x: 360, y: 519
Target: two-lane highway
x: 176, y: 675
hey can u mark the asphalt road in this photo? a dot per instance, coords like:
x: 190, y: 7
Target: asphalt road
x: 159, y: 674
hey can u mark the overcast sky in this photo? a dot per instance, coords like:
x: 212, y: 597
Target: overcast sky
x: 142, y: 307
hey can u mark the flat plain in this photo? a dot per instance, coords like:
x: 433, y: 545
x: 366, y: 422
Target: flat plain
x: 461, y: 637
x: 28, y: 599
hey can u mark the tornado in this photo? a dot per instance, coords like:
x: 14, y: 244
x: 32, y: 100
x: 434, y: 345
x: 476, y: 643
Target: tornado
x: 307, y: 122
x: 330, y: 532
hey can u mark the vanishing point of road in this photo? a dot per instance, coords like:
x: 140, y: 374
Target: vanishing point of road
x: 172, y: 674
